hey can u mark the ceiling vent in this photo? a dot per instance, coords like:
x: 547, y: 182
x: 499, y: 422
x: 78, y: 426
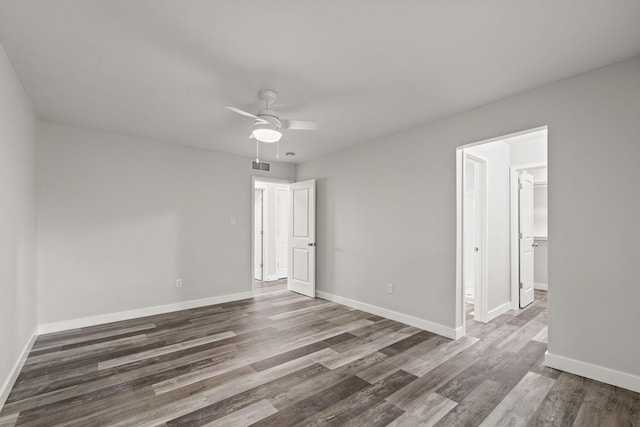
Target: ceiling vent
x: 261, y: 166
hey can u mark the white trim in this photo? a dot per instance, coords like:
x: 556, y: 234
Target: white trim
x: 83, y: 322
x: 436, y: 328
x: 460, y: 322
x: 501, y: 309
x: 503, y: 137
x: 255, y: 179
x: 595, y: 372
x: 541, y: 286
x: 15, y: 370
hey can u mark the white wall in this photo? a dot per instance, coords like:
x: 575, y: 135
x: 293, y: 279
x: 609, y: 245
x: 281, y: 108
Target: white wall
x: 498, y: 221
x: 528, y: 149
x: 121, y: 218
x: 387, y: 213
x: 17, y: 222
x: 541, y: 265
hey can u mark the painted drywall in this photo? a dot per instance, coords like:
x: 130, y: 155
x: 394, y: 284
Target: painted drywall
x: 541, y: 265
x: 387, y: 213
x: 529, y: 149
x: 17, y: 221
x: 121, y: 218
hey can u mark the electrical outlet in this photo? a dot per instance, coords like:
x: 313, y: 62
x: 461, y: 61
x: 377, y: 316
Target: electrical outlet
x: 178, y: 283
x: 389, y: 288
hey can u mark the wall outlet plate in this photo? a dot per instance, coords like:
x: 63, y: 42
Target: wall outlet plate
x: 389, y: 288
x: 178, y: 283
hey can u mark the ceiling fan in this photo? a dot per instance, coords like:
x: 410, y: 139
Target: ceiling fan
x: 267, y: 125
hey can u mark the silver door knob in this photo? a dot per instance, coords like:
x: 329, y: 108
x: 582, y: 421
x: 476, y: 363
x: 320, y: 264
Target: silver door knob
x: 476, y: 249
x: 535, y: 245
x: 312, y: 244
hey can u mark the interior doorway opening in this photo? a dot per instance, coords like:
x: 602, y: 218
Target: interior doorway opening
x: 502, y: 214
x: 270, y: 236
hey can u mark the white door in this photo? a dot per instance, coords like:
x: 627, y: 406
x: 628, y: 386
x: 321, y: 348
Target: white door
x: 302, y: 234
x: 257, y: 236
x: 525, y: 199
x: 282, y: 255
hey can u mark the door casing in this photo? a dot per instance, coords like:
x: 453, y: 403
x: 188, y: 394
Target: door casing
x: 460, y: 326
x: 255, y: 179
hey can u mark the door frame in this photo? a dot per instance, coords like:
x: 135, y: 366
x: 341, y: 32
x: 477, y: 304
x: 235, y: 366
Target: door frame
x: 481, y: 302
x: 255, y: 190
x: 514, y: 213
x: 279, y: 255
x: 255, y: 179
x: 460, y: 321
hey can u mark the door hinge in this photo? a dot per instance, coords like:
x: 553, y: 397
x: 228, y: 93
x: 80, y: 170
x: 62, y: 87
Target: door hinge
x: 520, y: 186
x: 261, y: 267
x: 521, y: 286
x: 521, y: 235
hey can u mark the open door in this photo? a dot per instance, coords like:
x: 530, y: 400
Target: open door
x: 258, y: 273
x: 525, y: 199
x: 302, y: 235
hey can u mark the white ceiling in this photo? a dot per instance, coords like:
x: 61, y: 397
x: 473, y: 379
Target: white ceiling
x: 364, y: 69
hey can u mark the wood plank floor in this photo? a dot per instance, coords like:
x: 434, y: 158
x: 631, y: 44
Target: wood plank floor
x: 282, y: 359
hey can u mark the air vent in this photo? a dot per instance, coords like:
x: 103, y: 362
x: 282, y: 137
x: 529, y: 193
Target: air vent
x: 262, y: 166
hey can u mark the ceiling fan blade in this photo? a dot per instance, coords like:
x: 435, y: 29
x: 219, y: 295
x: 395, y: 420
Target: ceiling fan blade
x: 241, y: 112
x: 299, y: 124
x: 244, y: 113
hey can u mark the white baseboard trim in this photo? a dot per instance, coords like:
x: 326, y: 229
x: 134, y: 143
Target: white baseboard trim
x: 15, y: 371
x: 83, y: 322
x: 595, y: 372
x: 541, y: 286
x: 501, y: 309
x: 436, y: 328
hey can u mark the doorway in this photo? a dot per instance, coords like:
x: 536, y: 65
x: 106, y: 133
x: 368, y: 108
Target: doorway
x: 270, y: 239
x: 529, y: 232
x: 492, y: 256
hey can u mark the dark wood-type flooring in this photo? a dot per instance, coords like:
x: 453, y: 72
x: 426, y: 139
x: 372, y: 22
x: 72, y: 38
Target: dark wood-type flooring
x: 282, y: 359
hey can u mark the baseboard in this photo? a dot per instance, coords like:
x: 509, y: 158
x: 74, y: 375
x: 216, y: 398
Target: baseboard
x: 595, y: 372
x: 501, y: 309
x: 15, y: 371
x: 141, y: 312
x: 541, y: 286
x: 436, y: 328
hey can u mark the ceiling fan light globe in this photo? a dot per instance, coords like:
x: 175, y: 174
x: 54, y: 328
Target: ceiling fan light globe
x: 266, y: 133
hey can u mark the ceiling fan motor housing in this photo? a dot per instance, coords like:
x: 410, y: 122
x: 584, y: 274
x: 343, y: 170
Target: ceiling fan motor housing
x: 270, y: 116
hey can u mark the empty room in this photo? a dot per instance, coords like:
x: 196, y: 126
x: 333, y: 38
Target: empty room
x: 305, y: 213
